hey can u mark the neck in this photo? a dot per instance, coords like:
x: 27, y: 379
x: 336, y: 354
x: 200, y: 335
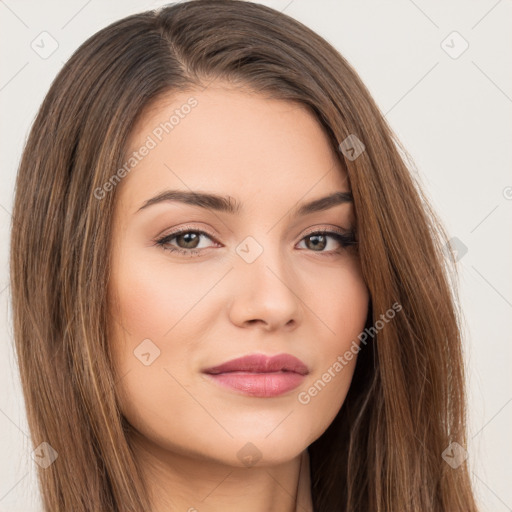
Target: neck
x: 185, y: 482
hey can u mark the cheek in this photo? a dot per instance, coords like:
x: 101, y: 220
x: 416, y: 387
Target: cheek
x: 153, y: 298
x: 339, y: 299
x: 343, y: 307
x: 158, y: 321
x: 149, y: 307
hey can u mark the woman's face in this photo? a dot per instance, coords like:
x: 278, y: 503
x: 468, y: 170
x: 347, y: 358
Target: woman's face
x: 257, y: 282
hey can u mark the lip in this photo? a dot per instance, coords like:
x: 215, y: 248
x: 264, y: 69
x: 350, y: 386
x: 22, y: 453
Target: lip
x: 258, y: 375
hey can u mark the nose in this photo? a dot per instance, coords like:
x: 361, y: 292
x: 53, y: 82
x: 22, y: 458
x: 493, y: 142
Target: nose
x: 265, y: 292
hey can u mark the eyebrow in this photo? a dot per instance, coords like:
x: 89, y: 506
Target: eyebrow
x: 230, y: 205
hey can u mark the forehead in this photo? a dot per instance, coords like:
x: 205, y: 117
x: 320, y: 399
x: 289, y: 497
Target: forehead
x: 231, y: 141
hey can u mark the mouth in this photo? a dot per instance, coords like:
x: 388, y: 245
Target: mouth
x: 258, y: 375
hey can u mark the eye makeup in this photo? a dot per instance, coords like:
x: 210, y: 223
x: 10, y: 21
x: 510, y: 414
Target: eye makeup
x: 344, y: 240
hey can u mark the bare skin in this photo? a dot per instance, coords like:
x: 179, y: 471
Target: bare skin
x: 302, y: 295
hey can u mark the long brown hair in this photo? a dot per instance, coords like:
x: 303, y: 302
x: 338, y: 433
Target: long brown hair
x: 383, y: 452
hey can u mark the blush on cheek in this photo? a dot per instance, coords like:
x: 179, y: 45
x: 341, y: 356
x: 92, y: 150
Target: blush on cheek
x: 344, y: 305
x: 149, y: 304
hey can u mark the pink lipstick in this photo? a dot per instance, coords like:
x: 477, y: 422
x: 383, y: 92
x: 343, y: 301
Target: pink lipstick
x: 258, y: 375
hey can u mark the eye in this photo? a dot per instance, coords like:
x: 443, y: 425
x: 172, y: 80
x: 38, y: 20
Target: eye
x: 188, y: 241
x: 317, y: 241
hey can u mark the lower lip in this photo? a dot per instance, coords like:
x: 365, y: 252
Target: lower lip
x: 262, y: 385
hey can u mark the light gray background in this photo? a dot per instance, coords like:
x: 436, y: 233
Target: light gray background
x: 452, y: 114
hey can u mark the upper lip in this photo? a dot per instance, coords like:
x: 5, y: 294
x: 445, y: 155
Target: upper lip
x: 260, y: 363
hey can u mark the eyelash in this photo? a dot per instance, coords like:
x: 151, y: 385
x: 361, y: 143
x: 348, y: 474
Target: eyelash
x: 345, y: 240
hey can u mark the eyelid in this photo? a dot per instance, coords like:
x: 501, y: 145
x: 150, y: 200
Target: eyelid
x: 184, y: 229
x: 309, y: 231
x: 340, y: 231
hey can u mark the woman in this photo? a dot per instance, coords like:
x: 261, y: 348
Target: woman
x: 228, y: 291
